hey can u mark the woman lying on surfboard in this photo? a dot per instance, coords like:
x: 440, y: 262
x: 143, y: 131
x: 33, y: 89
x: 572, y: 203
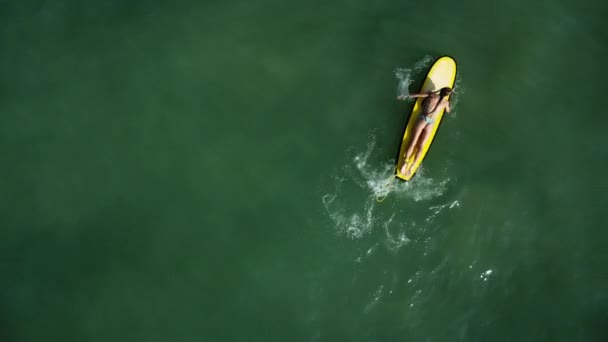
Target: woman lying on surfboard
x: 433, y: 103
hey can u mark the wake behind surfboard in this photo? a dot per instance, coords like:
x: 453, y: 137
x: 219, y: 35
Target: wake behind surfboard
x: 442, y: 74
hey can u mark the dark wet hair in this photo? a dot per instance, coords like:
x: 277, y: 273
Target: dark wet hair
x: 445, y: 91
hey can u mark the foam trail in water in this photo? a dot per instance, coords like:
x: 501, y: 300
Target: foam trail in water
x: 393, y: 243
x: 353, y: 224
x: 376, y: 297
x: 436, y: 210
x: 376, y: 180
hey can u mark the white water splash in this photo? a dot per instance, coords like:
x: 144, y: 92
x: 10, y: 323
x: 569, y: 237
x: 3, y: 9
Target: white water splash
x: 486, y: 275
x: 353, y: 224
x: 358, y: 218
x: 405, y: 76
x: 380, y: 180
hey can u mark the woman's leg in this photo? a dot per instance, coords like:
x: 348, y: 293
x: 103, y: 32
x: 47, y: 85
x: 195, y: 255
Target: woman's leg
x: 424, y: 136
x: 420, y: 124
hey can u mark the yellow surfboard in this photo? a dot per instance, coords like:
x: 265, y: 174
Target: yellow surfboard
x: 442, y: 74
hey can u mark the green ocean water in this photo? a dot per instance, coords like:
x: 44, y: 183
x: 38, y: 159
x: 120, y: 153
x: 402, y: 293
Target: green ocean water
x: 208, y: 171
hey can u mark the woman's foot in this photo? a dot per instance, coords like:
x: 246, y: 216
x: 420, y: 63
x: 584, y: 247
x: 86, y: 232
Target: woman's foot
x: 408, y: 172
x: 403, y: 168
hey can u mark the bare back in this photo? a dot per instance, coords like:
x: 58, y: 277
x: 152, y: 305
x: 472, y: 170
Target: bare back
x: 433, y: 104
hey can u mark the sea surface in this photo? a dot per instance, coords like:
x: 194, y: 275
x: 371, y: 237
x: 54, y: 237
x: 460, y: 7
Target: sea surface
x: 211, y: 171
